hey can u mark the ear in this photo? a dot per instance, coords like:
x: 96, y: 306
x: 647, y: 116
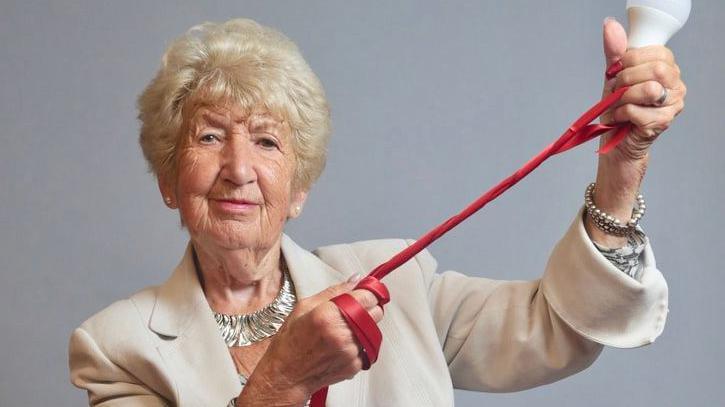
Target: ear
x: 296, y: 204
x: 167, y: 192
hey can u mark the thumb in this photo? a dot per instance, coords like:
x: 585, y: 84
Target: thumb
x: 614, y: 40
x: 331, y: 292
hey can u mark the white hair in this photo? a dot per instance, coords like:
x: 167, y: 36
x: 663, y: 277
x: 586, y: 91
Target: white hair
x: 248, y: 64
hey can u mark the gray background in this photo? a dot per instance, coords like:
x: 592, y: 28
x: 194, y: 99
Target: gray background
x: 432, y: 104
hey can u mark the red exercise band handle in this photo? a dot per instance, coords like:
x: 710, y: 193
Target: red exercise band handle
x: 359, y: 320
x: 361, y: 323
x: 363, y: 327
x: 379, y: 290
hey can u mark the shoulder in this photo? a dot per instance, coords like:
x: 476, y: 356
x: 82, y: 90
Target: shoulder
x: 114, y: 354
x: 123, y: 322
x: 363, y: 256
x: 363, y: 248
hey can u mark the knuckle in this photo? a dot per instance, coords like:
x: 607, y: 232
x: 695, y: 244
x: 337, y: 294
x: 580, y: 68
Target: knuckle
x: 377, y: 314
x: 623, y: 79
x: 335, y: 290
x: 353, y: 369
x: 632, y: 57
x: 320, y: 317
x: 664, y: 121
x: 618, y: 114
x: 331, y: 291
x: 662, y: 52
x: 652, y: 91
x: 668, y: 54
x: 357, y: 365
x: 338, y: 341
x: 351, y: 351
x: 661, y: 71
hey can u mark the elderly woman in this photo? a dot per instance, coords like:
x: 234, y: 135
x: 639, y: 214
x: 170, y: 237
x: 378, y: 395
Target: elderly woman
x: 235, y: 127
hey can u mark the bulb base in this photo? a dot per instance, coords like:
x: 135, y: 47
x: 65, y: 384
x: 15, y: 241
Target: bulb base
x: 649, y: 26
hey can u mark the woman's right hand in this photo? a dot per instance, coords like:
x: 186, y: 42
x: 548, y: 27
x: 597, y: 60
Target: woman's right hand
x: 314, y: 348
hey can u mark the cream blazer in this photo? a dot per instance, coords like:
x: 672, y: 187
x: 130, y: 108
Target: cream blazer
x: 441, y: 331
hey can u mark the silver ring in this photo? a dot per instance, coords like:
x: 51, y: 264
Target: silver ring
x: 663, y: 97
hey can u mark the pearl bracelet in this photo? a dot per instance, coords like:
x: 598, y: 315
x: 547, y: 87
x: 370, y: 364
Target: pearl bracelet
x: 608, y: 223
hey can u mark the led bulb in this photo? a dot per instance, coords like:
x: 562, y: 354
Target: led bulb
x: 654, y: 22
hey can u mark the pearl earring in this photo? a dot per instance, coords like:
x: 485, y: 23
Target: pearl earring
x: 167, y: 200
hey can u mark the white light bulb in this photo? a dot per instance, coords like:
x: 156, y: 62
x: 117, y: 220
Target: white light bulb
x: 654, y: 22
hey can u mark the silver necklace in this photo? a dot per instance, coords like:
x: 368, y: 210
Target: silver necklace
x: 246, y: 329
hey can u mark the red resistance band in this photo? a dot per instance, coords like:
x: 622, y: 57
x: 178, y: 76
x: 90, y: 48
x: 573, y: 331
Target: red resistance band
x: 361, y: 323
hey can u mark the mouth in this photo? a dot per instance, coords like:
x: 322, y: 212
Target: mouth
x: 235, y: 205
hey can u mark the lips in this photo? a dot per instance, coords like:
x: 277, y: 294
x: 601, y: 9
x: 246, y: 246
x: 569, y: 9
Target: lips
x: 235, y: 205
x: 237, y: 201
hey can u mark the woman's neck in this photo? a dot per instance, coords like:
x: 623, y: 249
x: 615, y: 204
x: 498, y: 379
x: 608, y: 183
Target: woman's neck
x: 239, y: 281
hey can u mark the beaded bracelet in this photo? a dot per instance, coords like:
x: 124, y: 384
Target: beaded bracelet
x: 610, y: 224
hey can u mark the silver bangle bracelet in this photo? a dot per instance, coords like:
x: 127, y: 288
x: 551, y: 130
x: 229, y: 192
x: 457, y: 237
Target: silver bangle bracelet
x: 609, y: 224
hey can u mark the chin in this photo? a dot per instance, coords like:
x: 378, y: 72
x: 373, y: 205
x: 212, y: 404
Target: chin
x: 239, y: 238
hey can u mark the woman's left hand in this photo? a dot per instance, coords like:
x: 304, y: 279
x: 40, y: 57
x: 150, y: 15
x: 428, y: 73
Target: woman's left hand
x: 647, y: 71
x: 651, y: 73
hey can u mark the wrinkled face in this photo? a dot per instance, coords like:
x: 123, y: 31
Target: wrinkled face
x: 234, y: 182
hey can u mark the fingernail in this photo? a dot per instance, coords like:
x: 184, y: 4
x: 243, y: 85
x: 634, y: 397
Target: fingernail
x: 354, y: 278
x: 608, y: 19
x: 609, y: 84
x: 614, y: 69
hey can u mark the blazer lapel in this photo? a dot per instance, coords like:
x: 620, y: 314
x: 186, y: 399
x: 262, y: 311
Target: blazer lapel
x: 197, y: 356
x: 195, y: 353
x: 309, y: 274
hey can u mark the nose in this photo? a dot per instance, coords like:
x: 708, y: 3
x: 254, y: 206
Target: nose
x: 238, y: 162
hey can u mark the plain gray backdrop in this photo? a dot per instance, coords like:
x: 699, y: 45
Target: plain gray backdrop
x: 432, y: 104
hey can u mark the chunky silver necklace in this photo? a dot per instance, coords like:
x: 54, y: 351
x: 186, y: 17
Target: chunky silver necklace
x: 246, y: 329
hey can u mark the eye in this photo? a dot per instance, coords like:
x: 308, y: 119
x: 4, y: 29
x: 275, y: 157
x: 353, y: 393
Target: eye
x: 208, y: 138
x: 267, y: 143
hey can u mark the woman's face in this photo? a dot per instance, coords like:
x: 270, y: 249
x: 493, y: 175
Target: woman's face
x: 234, y: 182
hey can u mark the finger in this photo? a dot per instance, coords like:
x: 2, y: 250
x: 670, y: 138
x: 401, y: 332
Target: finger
x: 638, y: 56
x: 646, y: 118
x: 667, y: 75
x: 366, y: 299
x: 376, y: 313
x: 648, y: 94
x: 614, y: 40
x: 326, y: 294
x: 354, y: 368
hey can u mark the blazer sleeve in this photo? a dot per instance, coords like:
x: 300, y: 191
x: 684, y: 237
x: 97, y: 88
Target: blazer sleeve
x: 502, y: 336
x: 106, y: 383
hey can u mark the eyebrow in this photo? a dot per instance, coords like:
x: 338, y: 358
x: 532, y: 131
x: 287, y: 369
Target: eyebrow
x: 256, y: 120
x: 265, y: 121
x: 215, y: 120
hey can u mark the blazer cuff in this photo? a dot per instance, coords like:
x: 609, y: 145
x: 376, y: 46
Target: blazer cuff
x: 599, y: 301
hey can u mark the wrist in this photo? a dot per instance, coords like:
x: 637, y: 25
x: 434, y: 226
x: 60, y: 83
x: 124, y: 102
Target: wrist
x: 600, y: 237
x: 617, y: 184
x: 264, y: 389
